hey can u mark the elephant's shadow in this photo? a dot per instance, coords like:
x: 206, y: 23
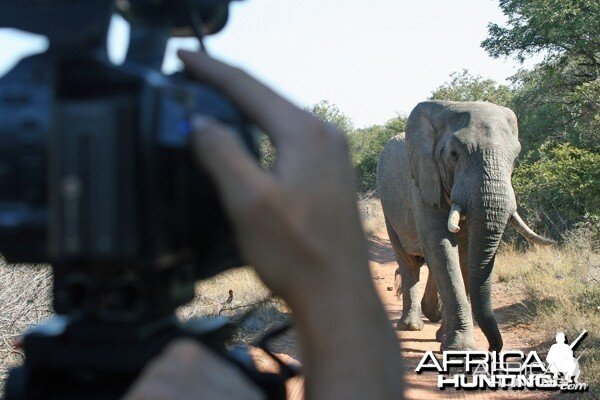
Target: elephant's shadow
x: 380, y: 250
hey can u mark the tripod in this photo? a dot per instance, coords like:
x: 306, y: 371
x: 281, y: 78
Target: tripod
x: 76, y: 357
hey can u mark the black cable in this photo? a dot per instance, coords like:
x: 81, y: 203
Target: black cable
x: 196, y: 23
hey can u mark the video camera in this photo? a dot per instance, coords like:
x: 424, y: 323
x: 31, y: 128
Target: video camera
x: 97, y: 179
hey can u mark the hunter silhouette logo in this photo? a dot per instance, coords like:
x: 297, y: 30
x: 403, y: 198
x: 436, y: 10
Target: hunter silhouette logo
x: 512, y: 369
x: 561, y: 358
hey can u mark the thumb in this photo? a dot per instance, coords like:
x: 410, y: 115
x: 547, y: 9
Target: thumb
x: 233, y: 168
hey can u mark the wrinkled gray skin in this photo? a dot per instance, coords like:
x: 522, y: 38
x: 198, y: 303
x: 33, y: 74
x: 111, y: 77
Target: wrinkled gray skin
x: 459, y: 154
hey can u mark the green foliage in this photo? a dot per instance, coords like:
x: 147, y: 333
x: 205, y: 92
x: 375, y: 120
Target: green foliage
x: 366, y: 145
x: 558, y: 28
x: 550, y: 107
x: 464, y: 86
x: 267, y: 152
x: 589, y: 298
x: 559, y: 189
x: 557, y: 104
x: 330, y: 113
x: 559, y: 99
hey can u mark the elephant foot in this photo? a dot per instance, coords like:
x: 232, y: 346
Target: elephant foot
x: 432, y: 309
x: 410, y: 323
x: 460, y: 341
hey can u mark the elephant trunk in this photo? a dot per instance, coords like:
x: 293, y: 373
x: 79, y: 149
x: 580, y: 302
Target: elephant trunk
x: 483, y: 244
x: 491, y: 204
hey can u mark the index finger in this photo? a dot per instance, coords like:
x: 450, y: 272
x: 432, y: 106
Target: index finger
x: 271, y: 112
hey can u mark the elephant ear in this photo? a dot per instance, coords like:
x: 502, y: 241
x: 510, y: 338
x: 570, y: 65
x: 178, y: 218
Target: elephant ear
x: 512, y: 120
x: 421, y: 140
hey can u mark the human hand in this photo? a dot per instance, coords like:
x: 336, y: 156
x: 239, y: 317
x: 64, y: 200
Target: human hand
x: 298, y: 225
x: 188, y: 371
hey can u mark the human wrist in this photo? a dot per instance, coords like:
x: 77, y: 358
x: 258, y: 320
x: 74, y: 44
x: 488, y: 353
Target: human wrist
x: 324, y: 288
x: 346, y: 305
x: 347, y: 337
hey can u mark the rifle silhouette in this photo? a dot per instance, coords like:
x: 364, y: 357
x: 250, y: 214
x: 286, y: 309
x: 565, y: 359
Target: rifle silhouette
x: 576, y: 341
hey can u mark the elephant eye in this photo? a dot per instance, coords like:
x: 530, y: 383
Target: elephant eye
x: 454, y: 155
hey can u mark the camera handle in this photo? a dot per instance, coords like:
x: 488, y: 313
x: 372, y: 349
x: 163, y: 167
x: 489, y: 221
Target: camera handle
x: 74, y: 360
x: 148, y: 41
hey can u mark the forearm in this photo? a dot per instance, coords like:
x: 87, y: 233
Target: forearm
x: 349, y: 348
x: 299, y: 226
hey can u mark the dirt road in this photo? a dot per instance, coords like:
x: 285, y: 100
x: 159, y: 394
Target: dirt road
x: 415, y: 344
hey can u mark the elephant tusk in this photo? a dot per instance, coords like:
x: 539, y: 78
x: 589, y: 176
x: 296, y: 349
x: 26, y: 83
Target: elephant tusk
x: 527, y: 232
x: 454, y: 219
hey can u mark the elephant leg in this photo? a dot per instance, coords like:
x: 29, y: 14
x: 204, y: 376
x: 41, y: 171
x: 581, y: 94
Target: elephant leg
x: 431, y: 304
x: 440, y: 248
x: 411, y: 319
x: 457, y: 330
x: 409, y: 268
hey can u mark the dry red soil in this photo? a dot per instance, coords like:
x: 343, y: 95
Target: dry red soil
x: 415, y: 344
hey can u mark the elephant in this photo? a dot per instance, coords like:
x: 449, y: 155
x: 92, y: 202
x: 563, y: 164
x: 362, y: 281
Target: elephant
x: 447, y: 197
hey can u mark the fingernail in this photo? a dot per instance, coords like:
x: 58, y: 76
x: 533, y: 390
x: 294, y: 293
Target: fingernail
x: 200, y: 123
x: 183, y: 52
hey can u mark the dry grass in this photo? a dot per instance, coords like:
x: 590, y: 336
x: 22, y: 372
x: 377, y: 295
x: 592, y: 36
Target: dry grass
x: 249, y: 295
x: 561, y: 291
x: 371, y: 213
x: 560, y: 288
x: 25, y: 297
x: 25, y: 300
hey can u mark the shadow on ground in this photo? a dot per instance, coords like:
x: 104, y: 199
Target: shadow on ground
x: 380, y: 250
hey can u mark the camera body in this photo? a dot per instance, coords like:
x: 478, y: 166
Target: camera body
x: 96, y: 175
x: 98, y: 180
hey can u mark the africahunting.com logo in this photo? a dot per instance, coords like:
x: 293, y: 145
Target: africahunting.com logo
x: 480, y: 370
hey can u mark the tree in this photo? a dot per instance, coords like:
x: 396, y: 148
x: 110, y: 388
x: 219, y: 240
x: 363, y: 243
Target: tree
x: 548, y: 110
x: 558, y: 28
x: 366, y: 145
x: 330, y: 113
x: 560, y: 98
x: 559, y: 189
x: 464, y: 86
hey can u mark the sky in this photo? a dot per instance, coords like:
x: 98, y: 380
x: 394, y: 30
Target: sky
x: 373, y: 59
